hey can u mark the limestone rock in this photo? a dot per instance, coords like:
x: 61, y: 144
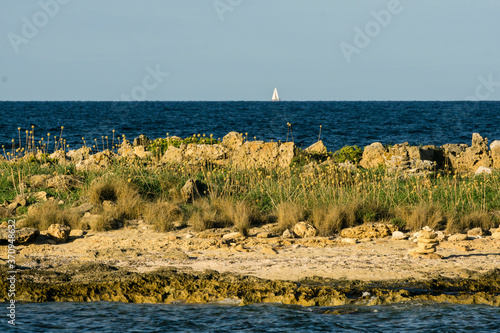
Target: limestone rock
x: 373, y: 156
x: 192, y: 189
x: 60, y: 156
x: 172, y: 155
x: 79, y: 154
x: 269, y: 250
x: 232, y: 140
x: 288, y: 234
x: 23, y: 235
x: 495, y: 154
x: 266, y: 155
x: 475, y: 156
x: 76, y: 233
x: 82, y: 209
x: 40, y: 196
x: 376, y: 230
x: 232, y: 235
x: 476, y: 232
x: 495, y: 234
x: 99, y: 160
x: 452, y: 154
x: 200, y: 154
x: 318, y: 148
x: 351, y: 241
x: 38, y: 180
x: 398, y: 235
x: 457, y: 237
x: 304, y: 229
x: 62, y: 182
x: 59, y: 232
x: 263, y: 235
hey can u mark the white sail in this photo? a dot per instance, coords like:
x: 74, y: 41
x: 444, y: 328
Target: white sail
x: 276, y: 98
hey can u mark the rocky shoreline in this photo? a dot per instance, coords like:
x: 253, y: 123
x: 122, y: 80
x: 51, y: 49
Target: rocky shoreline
x: 99, y: 282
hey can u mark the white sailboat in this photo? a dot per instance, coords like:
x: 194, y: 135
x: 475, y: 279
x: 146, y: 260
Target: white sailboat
x: 276, y: 98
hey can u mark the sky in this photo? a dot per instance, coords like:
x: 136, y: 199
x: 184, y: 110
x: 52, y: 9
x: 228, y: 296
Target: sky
x: 225, y: 50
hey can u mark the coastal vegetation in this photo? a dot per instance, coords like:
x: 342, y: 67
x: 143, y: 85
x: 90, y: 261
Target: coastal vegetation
x: 313, y: 188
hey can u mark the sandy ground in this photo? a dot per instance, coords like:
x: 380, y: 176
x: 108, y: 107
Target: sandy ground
x: 139, y: 248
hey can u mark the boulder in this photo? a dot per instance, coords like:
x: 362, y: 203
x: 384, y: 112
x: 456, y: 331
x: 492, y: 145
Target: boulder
x: 24, y: 235
x: 318, y: 148
x: 173, y: 155
x: 476, y: 232
x: 304, y: 229
x: 59, y: 232
x: 193, y: 189
x: 232, y: 140
x: 373, y: 156
x: 452, y: 154
x: 495, y: 154
x: 475, y: 156
x: 376, y: 230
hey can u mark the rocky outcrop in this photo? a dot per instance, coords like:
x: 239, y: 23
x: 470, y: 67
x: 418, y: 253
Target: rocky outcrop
x: 99, y: 160
x: 235, y: 152
x: 425, y: 159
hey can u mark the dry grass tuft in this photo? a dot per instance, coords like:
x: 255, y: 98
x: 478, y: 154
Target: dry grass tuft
x: 243, y: 217
x: 163, y: 215
x: 426, y: 215
x: 289, y: 213
x: 128, y: 202
x: 472, y: 220
x: 332, y: 219
x: 104, y: 222
x: 215, y: 213
x: 41, y: 217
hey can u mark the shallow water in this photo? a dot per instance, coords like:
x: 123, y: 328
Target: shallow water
x: 120, y: 317
x: 343, y: 123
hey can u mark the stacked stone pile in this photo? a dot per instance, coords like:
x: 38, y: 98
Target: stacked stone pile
x: 427, y: 242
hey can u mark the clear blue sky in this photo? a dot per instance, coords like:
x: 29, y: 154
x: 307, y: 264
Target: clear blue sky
x: 243, y: 49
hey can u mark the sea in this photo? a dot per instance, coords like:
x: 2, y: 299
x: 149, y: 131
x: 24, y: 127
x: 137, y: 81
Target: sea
x: 122, y: 317
x: 336, y: 123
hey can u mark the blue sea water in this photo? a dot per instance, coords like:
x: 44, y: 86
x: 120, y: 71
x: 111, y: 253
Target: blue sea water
x: 343, y: 123
x: 121, y: 317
